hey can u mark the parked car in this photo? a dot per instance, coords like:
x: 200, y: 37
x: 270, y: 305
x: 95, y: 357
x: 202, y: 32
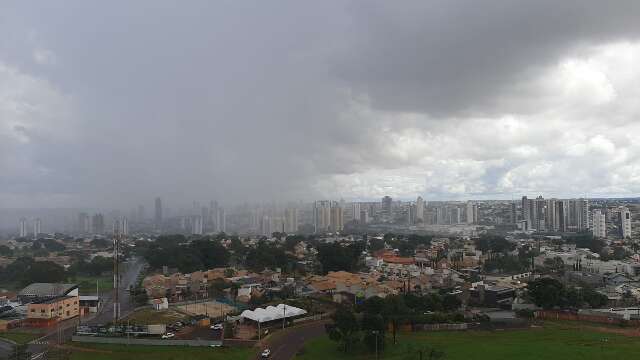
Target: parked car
x: 168, y: 336
x: 216, y: 327
x: 266, y: 353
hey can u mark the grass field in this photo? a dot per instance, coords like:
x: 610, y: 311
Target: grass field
x: 151, y: 317
x: 123, y: 352
x: 551, y: 343
x: 87, y: 284
x: 19, y: 337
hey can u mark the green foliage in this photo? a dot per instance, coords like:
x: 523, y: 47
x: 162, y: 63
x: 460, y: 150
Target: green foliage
x: 267, y: 256
x: 493, y: 243
x: 25, y: 271
x: 97, y: 266
x: 345, y: 329
x: 5, y: 251
x: 549, y: 293
x: 172, y: 251
x: 586, y: 240
x: 101, y: 243
x: 335, y: 257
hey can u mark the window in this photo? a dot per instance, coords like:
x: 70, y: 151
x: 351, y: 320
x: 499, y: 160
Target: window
x: 33, y: 310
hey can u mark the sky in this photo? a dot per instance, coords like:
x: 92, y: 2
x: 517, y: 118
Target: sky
x: 112, y: 103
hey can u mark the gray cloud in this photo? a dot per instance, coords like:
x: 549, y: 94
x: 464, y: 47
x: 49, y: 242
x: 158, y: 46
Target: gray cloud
x: 118, y: 102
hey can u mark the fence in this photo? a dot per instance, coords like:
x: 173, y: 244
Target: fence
x: 441, y: 327
x: 152, y: 342
x: 614, y: 319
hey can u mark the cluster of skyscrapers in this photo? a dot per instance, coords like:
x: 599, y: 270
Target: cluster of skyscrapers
x: 23, y: 228
x: 571, y: 215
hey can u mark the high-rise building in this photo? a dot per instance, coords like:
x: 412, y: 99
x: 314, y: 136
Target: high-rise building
x: 337, y: 217
x: 624, y: 222
x: 121, y: 226
x: 222, y: 216
x: 158, y: 214
x: 290, y: 220
x: 97, y: 224
x: 196, y: 225
x: 364, y: 216
x: 472, y: 213
x: 37, y: 228
x: 561, y: 215
x: 22, y: 228
x: 322, y: 216
x: 419, y: 209
x: 84, y: 223
x: 514, y: 213
x: 355, y: 211
x: 599, y: 224
x: 526, y: 211
x: 386, y: 206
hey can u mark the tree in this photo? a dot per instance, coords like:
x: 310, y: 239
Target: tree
x: 335, y: 257
x: 5, y: 251
x: 395, y: 312
x: 44, y: 271
x: 546, y: 292
x: 451, y: 302
x: 373, y: 327
x: 344, y: 329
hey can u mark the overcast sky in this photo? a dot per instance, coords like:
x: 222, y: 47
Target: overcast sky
x: 111, y: 103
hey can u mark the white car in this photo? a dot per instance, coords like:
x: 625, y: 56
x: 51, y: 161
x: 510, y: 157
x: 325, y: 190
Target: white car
x: 266, y: 353
x: 168, y: 335
x: 216, y: 327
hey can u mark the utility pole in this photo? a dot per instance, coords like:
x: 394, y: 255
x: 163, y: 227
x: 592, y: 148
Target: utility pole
x: 284, y: 314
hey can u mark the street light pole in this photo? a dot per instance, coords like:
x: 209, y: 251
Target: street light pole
x: 375, y: 332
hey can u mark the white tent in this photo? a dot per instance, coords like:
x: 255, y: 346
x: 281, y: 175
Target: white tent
x: 272, y: 313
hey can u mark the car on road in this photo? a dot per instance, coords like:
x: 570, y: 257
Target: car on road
x: 265, y: 353
x: 216, y: 327
x: 168, y: 336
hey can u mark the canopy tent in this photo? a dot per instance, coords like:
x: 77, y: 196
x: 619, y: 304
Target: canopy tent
x: 271, y: 313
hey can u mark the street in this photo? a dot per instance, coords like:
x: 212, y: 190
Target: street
x: 131, y: 270
x: 286, y: 346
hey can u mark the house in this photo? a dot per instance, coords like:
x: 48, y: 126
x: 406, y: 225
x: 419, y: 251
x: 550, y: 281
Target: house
x: 160, y: 304
x: 89, y: 304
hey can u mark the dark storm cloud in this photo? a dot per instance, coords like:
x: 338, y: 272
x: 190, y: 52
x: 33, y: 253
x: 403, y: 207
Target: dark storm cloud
x: 255, y: 100
x: 444, y: 57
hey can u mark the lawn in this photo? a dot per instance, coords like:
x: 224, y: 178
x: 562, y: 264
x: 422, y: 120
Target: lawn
x: 19, y: 337
x: 87, y: 284
x: 555, y: 342
x: 151, y: 317
x: 124, y: 352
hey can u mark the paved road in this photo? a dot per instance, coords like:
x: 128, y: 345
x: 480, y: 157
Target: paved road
x: 6, y: 348
x: 286, y: 346
x: 131, y: 269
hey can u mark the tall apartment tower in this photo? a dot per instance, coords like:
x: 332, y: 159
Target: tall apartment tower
x: 22, y: 227
x: 472, y: 213
x: 196, y: 225
x: 37, y: 228
x: 290, y: 220
x: 337, y: 217
x: 355, y: 211
x: 624, y: 222
x: 419, y: 209
x: 526, y: 211
x: 322, y: 216
x: 599, y: 224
